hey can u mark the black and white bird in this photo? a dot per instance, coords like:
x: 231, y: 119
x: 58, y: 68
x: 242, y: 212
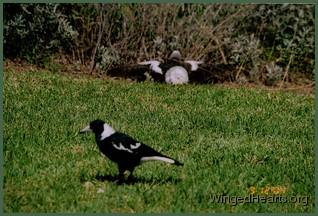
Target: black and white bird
x: 174, y: 70
x: 123, y: 149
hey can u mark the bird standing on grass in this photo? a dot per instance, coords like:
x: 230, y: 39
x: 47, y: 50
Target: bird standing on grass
x: 123, y: 149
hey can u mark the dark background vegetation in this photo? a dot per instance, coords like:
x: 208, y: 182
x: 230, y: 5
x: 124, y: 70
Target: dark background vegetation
x: 273, y: 42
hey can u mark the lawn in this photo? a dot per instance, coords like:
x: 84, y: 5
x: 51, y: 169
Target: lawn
x: 234, y: 142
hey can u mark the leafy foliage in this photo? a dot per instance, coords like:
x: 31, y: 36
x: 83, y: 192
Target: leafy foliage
x: 249, y: 35
x: 286, y: 33
x: 35, y: 31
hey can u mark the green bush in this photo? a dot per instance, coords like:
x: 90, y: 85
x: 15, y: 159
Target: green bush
x: 286, y: 33
x: 255, y: 37
x: 35, y: 31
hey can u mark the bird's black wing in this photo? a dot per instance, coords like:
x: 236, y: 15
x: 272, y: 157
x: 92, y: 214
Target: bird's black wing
x: 136, y: 72
x: 128, y: 151
x: 123, y: 142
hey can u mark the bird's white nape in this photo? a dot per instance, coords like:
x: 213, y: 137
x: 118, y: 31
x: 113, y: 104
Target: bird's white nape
x: 194, y: 64
x: 154, y: 65
x: 164, y: 159
x: 108, y: 131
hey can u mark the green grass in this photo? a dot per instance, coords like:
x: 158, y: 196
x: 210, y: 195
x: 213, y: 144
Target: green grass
x: 229, y: 140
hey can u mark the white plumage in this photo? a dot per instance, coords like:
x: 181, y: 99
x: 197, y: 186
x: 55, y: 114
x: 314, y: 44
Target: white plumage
x: 177, y: 75
x: 194, y: 64
x: 168, y: 160
x: 154, y: 65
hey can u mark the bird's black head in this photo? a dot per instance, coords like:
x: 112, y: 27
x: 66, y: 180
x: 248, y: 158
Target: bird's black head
x: 96, y: 126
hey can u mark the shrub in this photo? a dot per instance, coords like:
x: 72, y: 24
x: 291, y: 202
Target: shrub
x: 35, y: 31
x: 286, y: 33
x: 255, y: 37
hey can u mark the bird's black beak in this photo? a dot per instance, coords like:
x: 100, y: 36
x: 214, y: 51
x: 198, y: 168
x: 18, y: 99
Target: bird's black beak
x: 86, y: 129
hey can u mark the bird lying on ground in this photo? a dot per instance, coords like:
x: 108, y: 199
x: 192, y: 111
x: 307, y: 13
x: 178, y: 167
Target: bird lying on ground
x: 123, y: 149
x: 174, y: 70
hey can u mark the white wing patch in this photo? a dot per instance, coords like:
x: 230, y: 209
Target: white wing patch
x: 121, y: 147
x: 137, y: 145
x: 154, y: 65
x: 194, y: 64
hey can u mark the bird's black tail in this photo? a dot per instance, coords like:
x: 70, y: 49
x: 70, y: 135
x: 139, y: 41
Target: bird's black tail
x: 177, y: 163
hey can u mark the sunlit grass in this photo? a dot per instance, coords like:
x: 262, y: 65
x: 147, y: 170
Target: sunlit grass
x: 230, y: 140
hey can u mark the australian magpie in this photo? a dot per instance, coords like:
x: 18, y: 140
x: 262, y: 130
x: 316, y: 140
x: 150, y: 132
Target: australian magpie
x: 123, y: 149
x: 174, y: 70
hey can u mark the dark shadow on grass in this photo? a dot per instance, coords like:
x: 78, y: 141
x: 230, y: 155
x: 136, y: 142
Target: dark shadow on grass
x: 103, y: 178
x: 135, y: 180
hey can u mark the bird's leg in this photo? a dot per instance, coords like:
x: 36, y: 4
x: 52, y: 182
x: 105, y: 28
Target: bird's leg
x: 121, y: 176
x: 130, y: 177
